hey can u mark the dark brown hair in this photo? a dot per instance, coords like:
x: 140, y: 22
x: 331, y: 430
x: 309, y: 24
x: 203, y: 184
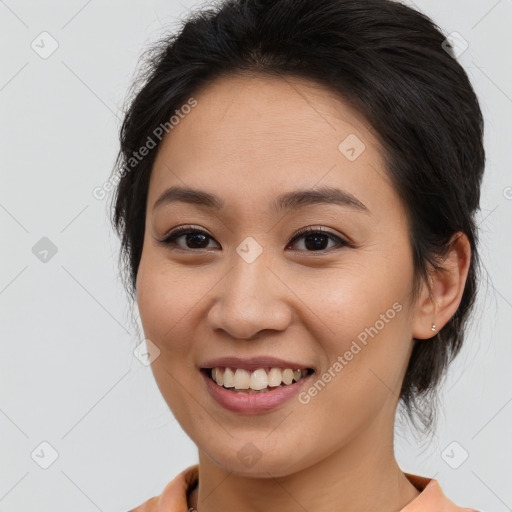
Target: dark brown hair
x: 392, y: 64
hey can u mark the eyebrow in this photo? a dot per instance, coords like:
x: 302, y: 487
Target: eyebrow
x: 289, y: 201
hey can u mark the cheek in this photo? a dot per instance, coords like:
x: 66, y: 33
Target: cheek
x: 362, y: 326
x: 351, y: 297
x: 166, y: 310
x: 166, y: 298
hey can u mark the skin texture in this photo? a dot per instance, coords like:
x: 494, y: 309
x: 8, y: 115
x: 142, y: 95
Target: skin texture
x: 248, y: 140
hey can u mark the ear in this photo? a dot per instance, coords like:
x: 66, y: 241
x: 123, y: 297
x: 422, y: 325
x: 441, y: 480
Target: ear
x: 438, y: 300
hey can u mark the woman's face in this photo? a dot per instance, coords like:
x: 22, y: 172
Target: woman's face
x: 338, y: 301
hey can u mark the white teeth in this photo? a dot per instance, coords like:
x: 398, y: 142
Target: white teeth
x: 274, y: 377
x: 288, y: 376
x: 242, y: 379
x: 229, y: 378
x: 217, y: 376
x: 258, y: 380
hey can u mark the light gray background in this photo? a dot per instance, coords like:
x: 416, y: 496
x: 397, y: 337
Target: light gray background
x: 68, y: 375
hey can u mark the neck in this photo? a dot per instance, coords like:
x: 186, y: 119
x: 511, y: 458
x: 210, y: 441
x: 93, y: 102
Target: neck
x: 361, y: 475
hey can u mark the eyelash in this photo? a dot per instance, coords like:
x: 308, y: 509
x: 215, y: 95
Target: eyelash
x: 170, y: 239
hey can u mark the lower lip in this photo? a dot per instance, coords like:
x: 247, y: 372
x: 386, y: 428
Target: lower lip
x: 252, y: 403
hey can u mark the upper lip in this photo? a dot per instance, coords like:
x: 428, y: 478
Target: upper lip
x: 253, y: 363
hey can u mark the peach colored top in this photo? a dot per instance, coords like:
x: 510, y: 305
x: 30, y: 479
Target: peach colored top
x: 174, y: 497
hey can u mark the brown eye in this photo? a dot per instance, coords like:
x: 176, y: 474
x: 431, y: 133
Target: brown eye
x: 193, y: 238
x: 316, y: 239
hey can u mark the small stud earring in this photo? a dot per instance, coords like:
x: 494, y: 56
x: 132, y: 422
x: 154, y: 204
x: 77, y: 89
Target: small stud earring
x: 433, y: 327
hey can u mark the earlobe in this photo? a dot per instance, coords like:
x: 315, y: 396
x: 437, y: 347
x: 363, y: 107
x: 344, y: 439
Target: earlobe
x: 439, y: 302
x: 426, y: 321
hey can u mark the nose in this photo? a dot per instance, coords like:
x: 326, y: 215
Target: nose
x: 250, y: 299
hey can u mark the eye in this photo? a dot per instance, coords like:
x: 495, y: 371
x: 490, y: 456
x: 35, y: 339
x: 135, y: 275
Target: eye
x: 316, y: 238
x: 193, y: 238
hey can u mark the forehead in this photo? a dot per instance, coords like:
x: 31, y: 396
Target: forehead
x: 257, y: 135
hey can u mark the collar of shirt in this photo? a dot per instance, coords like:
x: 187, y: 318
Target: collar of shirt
x: 174, y: 497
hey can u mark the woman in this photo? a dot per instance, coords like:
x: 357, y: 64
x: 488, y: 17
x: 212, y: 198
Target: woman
x: 297, y: 187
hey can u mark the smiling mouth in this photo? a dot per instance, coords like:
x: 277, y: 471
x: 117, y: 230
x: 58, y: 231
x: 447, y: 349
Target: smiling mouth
x: 261, y: 380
